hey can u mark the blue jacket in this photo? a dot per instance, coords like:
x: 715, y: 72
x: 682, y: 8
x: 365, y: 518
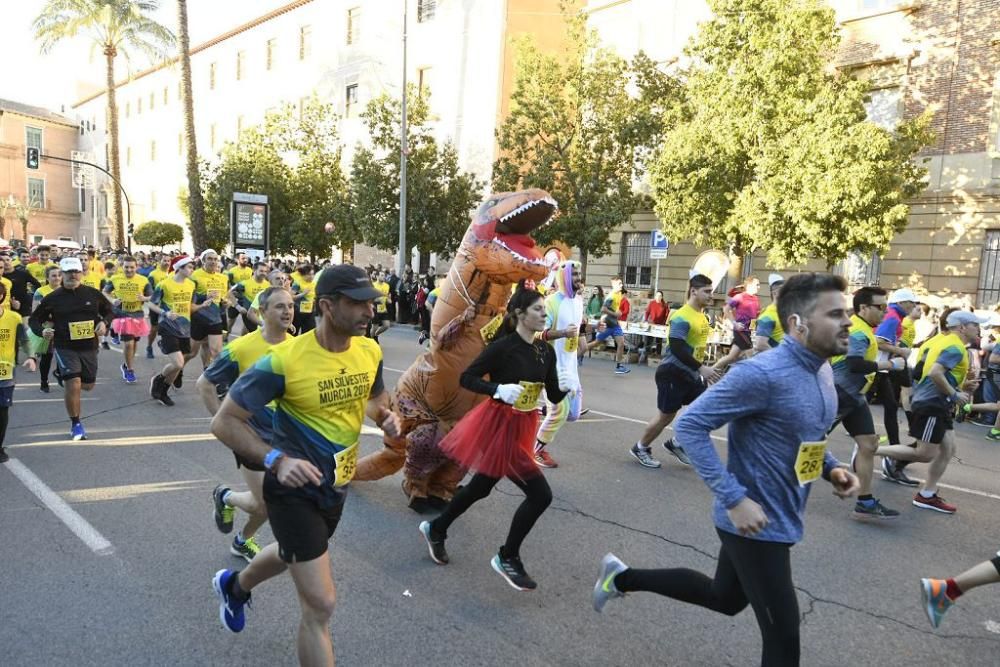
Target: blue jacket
x: 773, y: 402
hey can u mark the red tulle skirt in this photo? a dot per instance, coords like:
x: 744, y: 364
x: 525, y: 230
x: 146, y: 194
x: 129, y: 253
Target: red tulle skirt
x: 130, y: 326
x: 495, y: 440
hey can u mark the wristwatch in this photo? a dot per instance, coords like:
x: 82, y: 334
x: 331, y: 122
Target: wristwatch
x: 272, y: 458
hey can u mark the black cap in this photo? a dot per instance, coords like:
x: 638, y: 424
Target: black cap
x: 351, y: 281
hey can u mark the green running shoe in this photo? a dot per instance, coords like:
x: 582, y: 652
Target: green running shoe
x: 245, y: 550
x: 223, y: 513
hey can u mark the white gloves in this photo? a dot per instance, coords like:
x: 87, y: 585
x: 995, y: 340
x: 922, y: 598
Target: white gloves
x: 565, y: 382
x: 508, y: 393
x: 898, y: 363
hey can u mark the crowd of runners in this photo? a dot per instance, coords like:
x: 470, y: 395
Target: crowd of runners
x: 288, y: 360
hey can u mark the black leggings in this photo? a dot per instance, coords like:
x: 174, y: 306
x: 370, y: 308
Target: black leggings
x: 4, y: 417
x: 44, y: 366
x: 537, y: 496
x: 886, y: 389
x: 749, y: 572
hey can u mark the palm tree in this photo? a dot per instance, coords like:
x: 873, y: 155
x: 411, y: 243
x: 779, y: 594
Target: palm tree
x: 196, y: 204
x: 114, y: 26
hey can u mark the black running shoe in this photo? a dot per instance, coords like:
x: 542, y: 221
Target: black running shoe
x: 179, y: 380
x: 223, y: 512
x: 3, y: 456
x: 512, y: 569
x: 44, y: 387
x: 677, y: 451
x: 435, y: 545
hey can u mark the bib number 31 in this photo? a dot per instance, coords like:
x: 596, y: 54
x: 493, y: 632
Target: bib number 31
x: 809, y: 462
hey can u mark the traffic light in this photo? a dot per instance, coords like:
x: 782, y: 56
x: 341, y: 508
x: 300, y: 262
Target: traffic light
x: 131, y: 229
x: 32, y: 157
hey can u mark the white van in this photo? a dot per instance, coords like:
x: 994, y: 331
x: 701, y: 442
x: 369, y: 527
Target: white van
x: 61, y: 243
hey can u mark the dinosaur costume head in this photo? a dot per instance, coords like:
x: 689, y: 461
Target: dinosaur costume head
x: 499, y: 239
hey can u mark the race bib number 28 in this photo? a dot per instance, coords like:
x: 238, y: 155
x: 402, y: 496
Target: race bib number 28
x: 809, y: 462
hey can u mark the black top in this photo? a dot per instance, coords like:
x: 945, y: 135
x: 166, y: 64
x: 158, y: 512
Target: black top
x: 509, y: 360
x: 20, y: 279
x: 64, y: 307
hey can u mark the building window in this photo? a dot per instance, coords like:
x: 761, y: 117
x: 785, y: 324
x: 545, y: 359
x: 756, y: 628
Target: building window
x: 305, y: 41
x: 128, y: 156
x: 989, y: 271
x: 128, y: 109
x: 33, y: 137
x: 239, y: 125
x: 860, y: 270
x: 350, y: 100
x: 166, y: 95
x: 272, y: 45
x: 884, y: 106
x: 426, y: 10
x: 636, y: 268
x: 83, y: 200
x: 211, y: 76
x: 36, y: 192
x: 241, y: 58
x: 211, y: 134
x: 353, y: 25
x: 138, y: 107
x: 152, y: 151
x: 423, y: 80
x: 152, y: 101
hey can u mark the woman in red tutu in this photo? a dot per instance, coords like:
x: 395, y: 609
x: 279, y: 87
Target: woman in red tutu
x: 497, y: 438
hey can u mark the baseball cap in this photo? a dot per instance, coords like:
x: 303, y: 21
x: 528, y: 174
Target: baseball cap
x: 70, y: 264
x: 351, y: 281
x: 179, y: 262
x: 903, y: 294
x: 959, y: 317
x: 774, y: 279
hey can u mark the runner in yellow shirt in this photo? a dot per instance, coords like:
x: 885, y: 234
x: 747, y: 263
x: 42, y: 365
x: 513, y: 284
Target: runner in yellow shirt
x: 381, y: 322
x: 156, y: 276
x: 305, y: 301
x: 12, y: 335
x: 128, y: 291
x: 207, y: 324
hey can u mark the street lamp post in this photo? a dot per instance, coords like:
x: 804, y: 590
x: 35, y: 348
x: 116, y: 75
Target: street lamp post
x: 401, y: 260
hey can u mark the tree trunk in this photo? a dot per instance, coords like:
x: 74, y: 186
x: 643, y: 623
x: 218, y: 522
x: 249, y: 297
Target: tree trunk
x: 117, y: 224
x: 24, y: 232
x: 584, y: 256
x: 735, y: 272
x: 196, y: 203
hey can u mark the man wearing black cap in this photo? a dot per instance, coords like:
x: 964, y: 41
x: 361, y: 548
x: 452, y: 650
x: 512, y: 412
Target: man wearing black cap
x: 322, y: 384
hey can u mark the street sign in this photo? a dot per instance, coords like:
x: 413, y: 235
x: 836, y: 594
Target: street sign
x: 658, y: 245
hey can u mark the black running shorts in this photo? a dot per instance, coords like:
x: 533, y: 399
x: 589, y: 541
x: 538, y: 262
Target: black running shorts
x: 170, y: 344
x: 302, y: 528
x: 854, y: 414
x: 200, y: 330
x: 675, y: 388
x: 77, y: 364
x: 930, y: 425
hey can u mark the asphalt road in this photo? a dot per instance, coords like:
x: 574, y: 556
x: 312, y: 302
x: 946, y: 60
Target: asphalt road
x: 143, y: 482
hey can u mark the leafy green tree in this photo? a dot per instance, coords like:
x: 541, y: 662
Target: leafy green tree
x: 580, y: 125
x: 772, y: 148
x: 440, y: 195
x: 116, y: 27
x: 293, y: 158
x: 158, y: 234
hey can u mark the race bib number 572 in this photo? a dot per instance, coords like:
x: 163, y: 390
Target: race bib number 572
x: 81, y: 330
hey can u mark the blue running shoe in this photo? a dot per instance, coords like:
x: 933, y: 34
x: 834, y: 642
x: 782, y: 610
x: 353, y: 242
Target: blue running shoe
x: 936, y: 600
x: 115, y: 339
x: 130, y: 376
x: 77, y: 432
x: 230, y: 609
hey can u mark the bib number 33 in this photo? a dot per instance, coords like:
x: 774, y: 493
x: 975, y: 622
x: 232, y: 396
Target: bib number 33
x: 809, y: 462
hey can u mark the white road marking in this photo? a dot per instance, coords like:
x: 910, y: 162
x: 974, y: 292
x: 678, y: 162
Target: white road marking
x: 76, y: 523
x: 51, y: 400
x: 992, y: 626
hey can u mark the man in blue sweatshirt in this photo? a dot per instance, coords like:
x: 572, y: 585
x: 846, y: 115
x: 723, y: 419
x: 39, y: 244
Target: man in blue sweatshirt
x: 779, y: 407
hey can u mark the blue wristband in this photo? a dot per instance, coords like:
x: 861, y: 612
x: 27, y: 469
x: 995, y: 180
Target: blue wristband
x: 272, y: 457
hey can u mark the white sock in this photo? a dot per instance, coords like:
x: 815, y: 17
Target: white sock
x: 928, y: 494
x: 225, y: 498
x: 639, y: 445
x: 239, y: 538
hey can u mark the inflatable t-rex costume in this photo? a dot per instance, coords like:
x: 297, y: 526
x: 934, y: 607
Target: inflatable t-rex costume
x: 496, y: 252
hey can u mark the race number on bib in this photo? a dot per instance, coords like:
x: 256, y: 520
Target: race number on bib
x: 809, y: 462
x: 81, y: 330
x: 346, y: 461
x: 6, y: 371
x: 528, y: 399
x: 491, y: 328
x: 572, y: 343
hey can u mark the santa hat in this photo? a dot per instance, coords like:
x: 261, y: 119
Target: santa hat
x: 180, y: 262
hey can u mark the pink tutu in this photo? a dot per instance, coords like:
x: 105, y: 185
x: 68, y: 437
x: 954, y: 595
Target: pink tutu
x: 130, y: 326
x: 495, y: 440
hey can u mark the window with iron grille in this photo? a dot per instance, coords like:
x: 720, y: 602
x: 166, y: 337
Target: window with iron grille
x: 305, y: 41
x: 241, y: 60
x: 989, y: 271
x: 636, y: 268
x: 350, y: 100
x: 33, y: 137
x: 36, y: 192
x: 426, y: 10
x: 211, y: 76
x: 860, y: 270
x: 272, y: 46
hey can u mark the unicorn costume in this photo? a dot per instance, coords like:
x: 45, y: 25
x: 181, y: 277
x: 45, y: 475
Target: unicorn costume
x: 563, y: 308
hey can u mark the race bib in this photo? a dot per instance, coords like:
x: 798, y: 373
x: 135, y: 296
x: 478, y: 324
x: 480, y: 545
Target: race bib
x: 346, y: 461
x: 6, y: 371
x: 809, y: 462
x: 572, y: 343
x: 699, y: 353
x: 491, y: 328
x: 306, y: 305
x: 81, y: 330
x: 215, y: 296
x: 528, y: 399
